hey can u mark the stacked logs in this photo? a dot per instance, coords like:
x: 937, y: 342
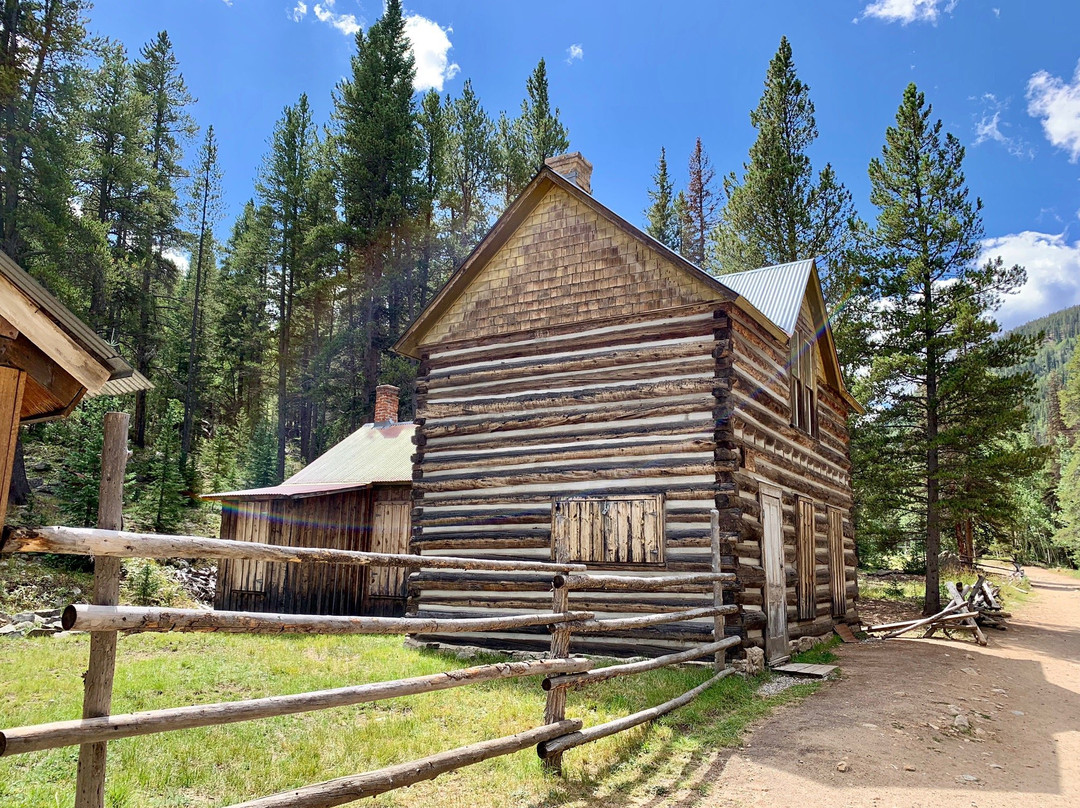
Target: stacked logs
x: 970, y: 609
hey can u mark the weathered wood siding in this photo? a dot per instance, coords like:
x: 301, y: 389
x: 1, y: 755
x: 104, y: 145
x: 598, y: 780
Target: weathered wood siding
x: 579, y: 362
x: 815, y: 469
x: 345, y: 521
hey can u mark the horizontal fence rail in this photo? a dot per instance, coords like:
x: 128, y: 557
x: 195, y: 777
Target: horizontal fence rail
x: 349, y: 789
x: 105, y: 619
x: 569, y: 741
x: 79, y: 617
x: 629, y: 623
x: 122, y: 544
x: 112, y: 727
x: 612, y: 671
x: 639, y: 583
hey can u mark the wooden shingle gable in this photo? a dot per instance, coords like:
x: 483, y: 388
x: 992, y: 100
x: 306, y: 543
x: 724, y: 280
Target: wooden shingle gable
x: 557, y: 256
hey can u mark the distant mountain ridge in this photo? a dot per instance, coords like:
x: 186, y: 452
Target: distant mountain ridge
x: 1062, y: 330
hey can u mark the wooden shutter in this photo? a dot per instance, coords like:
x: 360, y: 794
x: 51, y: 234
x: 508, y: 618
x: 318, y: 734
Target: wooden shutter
x: 837, y: 583
x: 610, y: 530
x: 804, y: 558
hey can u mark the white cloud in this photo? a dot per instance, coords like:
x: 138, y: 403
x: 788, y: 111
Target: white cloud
x: 1057, y: 103
x: 180, y: 260
x: 908, y: 11
x: 346, y: 23
x: 997, y: 12
x: 430, y: 45
x: 989, y: 127
x: 299, y: 11
x: 574, y: 52
x: 1053, y: 274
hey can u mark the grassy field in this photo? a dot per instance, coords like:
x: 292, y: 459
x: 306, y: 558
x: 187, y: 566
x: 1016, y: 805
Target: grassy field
x: 40, y: 681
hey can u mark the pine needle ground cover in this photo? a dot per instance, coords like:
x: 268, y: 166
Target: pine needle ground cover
x: 40, y: 681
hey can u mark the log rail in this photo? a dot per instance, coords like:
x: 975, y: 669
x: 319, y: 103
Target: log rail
x: 561, y: 672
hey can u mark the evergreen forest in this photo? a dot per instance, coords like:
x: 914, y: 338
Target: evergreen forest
x: 266, y: 336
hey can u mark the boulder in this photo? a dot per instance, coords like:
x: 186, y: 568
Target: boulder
x: 755, y: 660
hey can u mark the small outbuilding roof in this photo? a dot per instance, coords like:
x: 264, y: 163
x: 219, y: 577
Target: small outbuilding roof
x: 373, y: 454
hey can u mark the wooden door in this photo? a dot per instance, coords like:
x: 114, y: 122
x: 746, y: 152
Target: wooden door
x: 390, y: 528
x: 772, y: 559
x: 12, y: 384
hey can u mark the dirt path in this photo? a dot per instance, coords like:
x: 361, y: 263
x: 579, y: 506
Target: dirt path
x: 891, y: 720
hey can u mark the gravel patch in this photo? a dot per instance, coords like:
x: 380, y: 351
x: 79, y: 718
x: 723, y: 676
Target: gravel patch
x: 778, y: 684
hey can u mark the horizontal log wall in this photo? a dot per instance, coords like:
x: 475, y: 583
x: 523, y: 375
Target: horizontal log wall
x: 773, y: 451
x: 623, y: 406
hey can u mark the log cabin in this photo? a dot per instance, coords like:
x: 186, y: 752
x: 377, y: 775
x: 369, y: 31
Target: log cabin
x: 49, y: 362
x: 580, y: 382
x: 356, y: 496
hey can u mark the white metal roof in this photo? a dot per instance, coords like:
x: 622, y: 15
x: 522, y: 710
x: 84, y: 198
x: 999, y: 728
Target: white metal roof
x: 777, y: 291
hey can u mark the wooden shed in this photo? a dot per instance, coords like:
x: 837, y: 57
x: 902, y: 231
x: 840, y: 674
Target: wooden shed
x: 580, y: 381
x: 354, y: 497
x: 49, y: 361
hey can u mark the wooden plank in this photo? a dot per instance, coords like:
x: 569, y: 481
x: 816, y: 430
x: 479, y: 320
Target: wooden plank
x: 98, y: 683
x: 12, y: 386
x: 561, y: 744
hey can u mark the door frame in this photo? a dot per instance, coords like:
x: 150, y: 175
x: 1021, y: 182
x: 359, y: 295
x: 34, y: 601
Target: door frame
x: 774, y: 592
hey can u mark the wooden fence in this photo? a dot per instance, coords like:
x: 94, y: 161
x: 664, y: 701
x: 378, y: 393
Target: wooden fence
x: 562, y: 671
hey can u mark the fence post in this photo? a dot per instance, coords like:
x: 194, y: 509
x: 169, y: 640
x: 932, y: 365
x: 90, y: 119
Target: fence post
x: 97, y: 693
x: 555, y: 709
x: 719, y: 662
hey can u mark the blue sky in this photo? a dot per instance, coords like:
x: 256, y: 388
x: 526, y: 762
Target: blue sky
x: 1003, y: 75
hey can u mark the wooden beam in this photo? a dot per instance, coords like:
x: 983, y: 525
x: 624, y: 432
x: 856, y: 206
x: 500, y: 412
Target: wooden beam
x: 358, y: 786
x: 7, y: 330
x: 12, y: 386
x: 40, y: 329
x: 631, y: 623
x: 603, y: 674
x: 109, y: 728
x: 639, y: 583
x: 122, y: 544
x: 97, y: 696
x: 569, y: 741
x: 39, y: 366
x: 79, y: 617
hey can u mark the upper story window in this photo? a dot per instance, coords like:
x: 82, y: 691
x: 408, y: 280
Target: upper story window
x: 803, y: 383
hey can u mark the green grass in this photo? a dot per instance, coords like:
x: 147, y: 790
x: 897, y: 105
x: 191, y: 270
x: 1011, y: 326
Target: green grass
x: 820, y: 654
x: 40, y: 682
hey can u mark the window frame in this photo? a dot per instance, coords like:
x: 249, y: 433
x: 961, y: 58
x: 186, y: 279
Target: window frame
x: 615, y: 546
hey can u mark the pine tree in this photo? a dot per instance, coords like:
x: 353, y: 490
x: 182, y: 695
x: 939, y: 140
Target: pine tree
x: 204, y: 211
x: 525, y: 142
x: 169, y: 125
x: 470, y: 170
x: 379, y: 158
x: 661, y: 215
x: 778, y: 213
x: 938, y: 363
x: 698, y: 208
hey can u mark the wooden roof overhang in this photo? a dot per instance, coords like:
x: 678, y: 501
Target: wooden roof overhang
x: 63, y: 359
x: 409, y: 344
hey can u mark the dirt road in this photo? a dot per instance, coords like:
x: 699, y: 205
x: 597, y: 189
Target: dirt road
x: 892, y: 721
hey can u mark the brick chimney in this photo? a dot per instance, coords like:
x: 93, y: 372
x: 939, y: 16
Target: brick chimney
x: 573, y: 167
x: 386, y: 404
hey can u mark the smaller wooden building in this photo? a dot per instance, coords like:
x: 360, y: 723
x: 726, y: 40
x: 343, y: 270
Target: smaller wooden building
x: 49, y: 361
x: 357, y: 496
